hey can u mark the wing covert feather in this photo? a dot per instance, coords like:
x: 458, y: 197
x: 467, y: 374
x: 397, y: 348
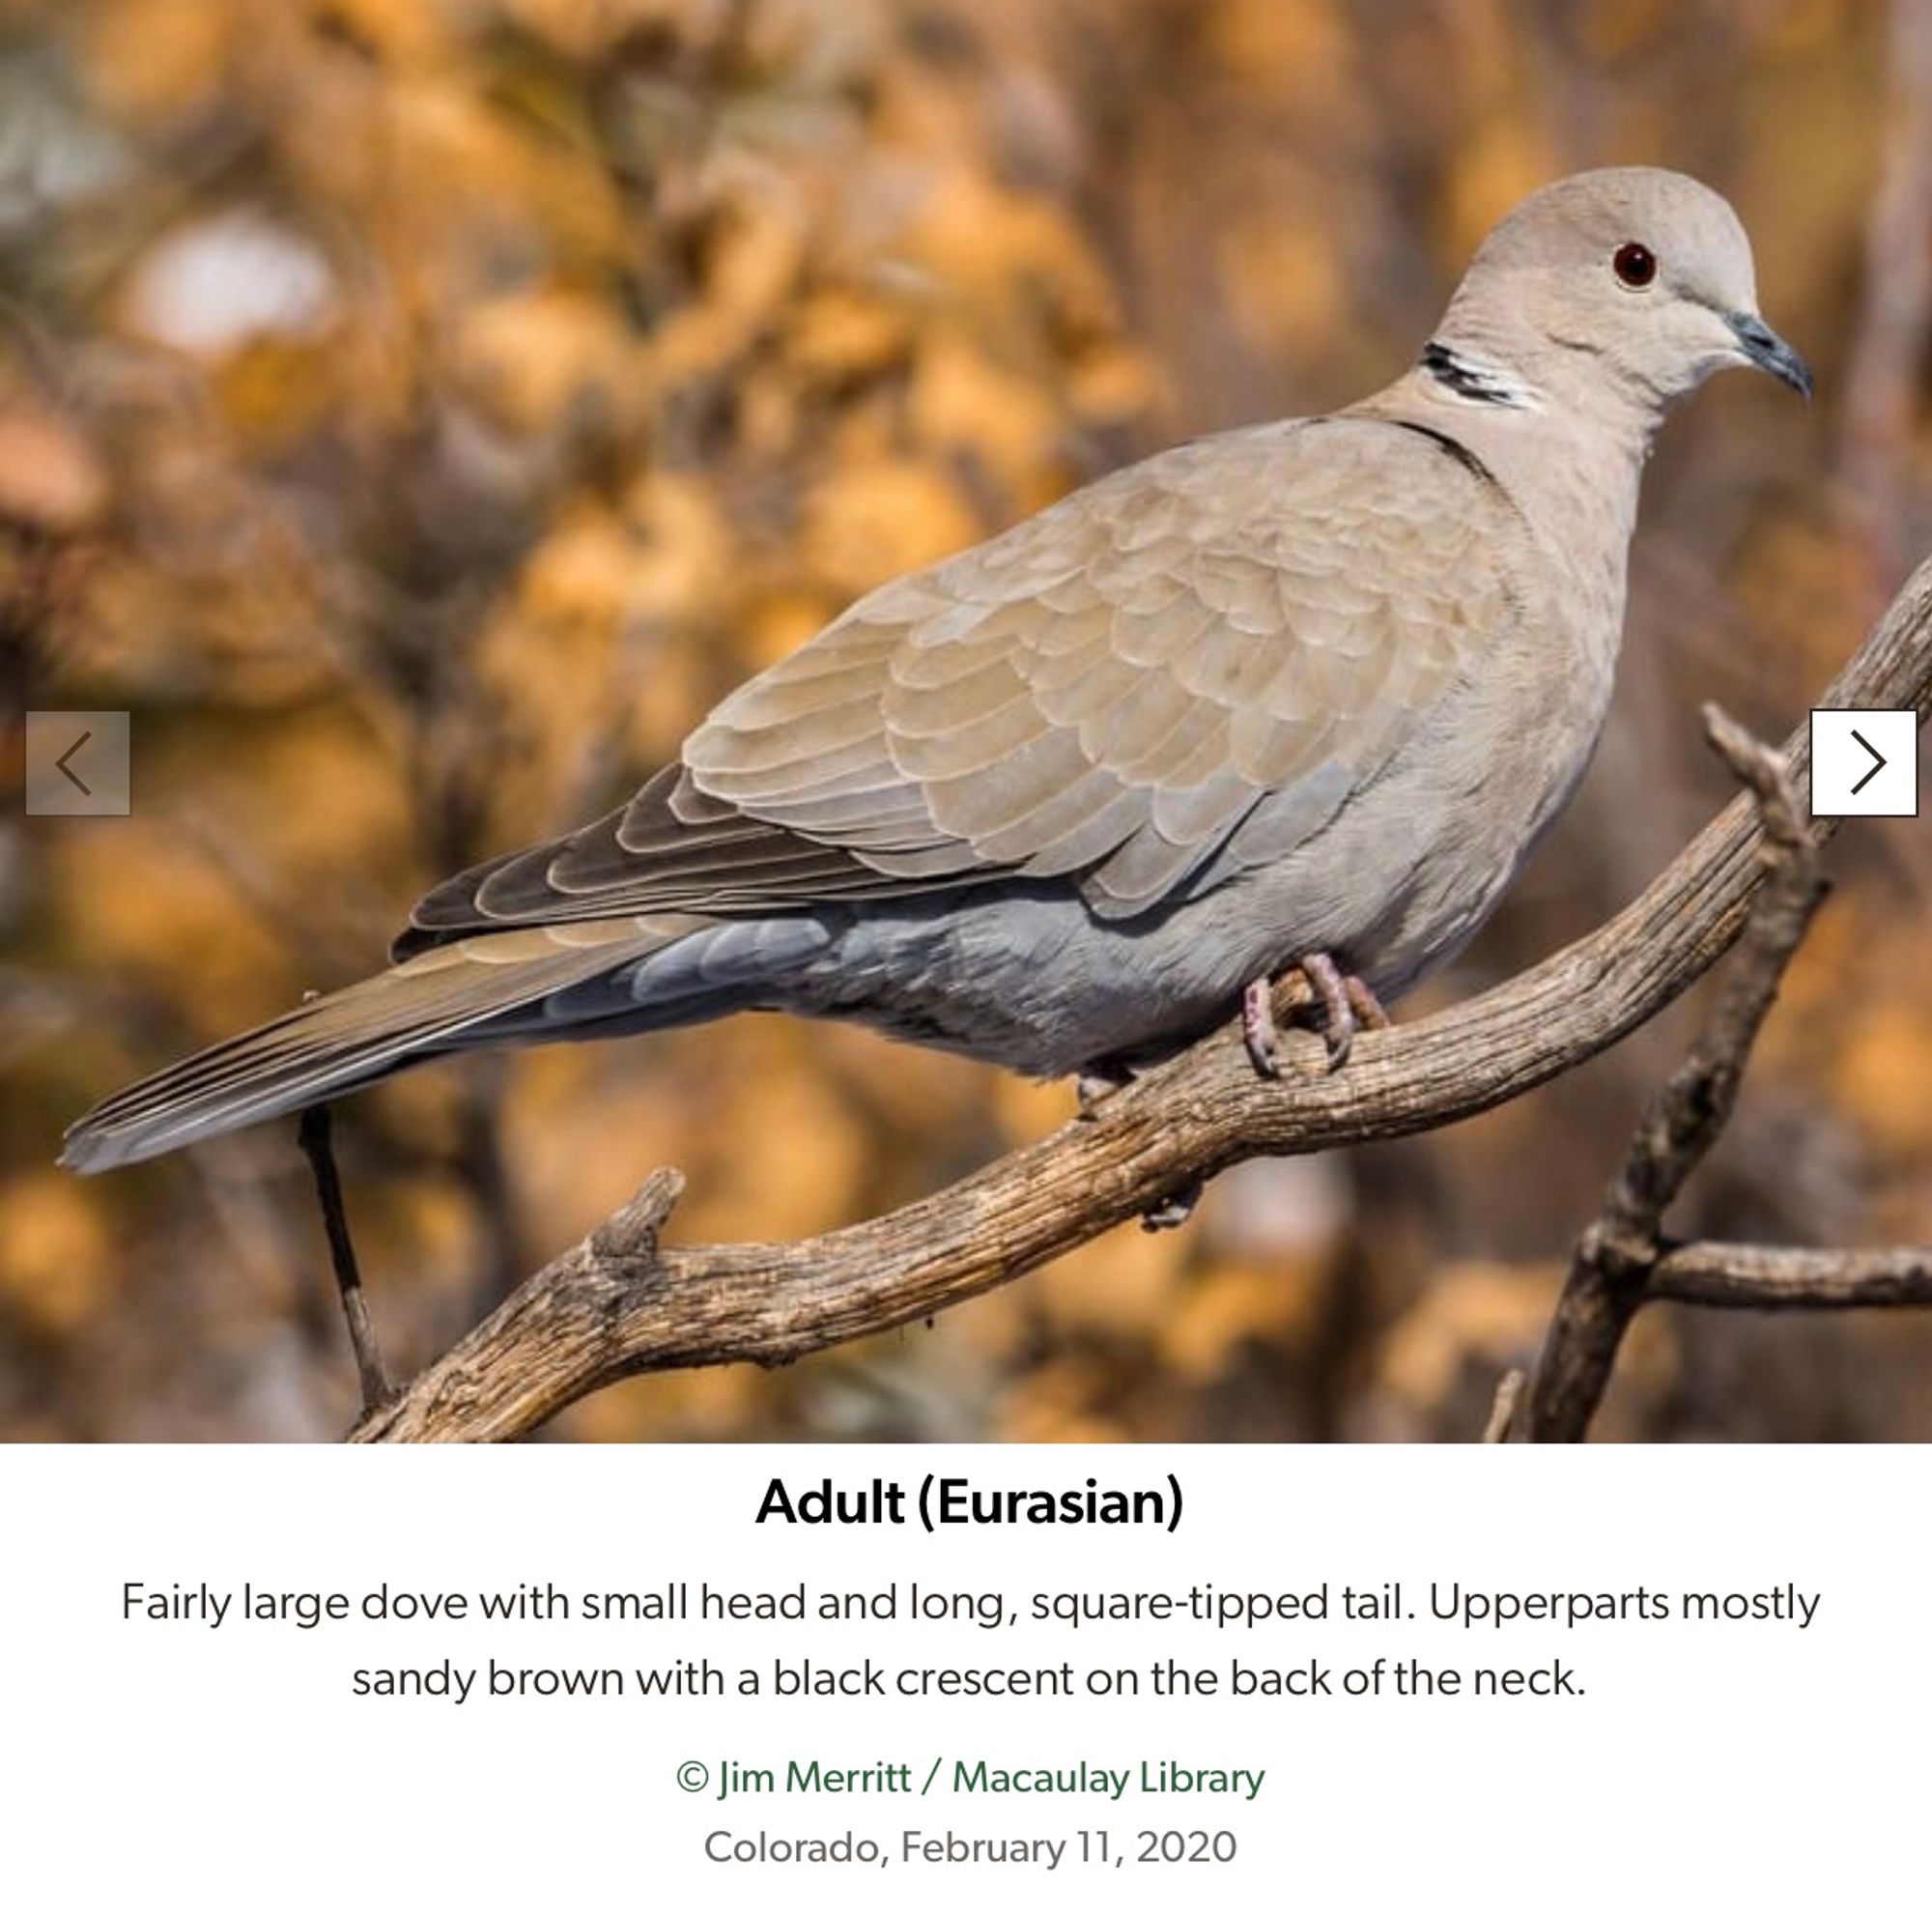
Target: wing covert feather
x: 1109, y: 688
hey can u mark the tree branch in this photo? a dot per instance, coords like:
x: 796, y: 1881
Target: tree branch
x: 1610, y: 1271
x: 1749, y: 1275
x: 611, y: 1307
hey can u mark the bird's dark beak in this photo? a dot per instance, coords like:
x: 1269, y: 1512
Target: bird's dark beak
x: 1763, y: 347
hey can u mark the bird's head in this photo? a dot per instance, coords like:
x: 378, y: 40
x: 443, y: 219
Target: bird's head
x: 1631, y: 281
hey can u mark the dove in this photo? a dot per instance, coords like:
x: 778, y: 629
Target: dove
x: 1304, y: 693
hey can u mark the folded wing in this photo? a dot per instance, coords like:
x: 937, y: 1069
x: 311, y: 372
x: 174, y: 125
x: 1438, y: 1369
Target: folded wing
x: 1103, y: 696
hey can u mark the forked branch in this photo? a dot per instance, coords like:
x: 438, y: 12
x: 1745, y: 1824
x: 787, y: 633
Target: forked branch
x: 1616, y: 1258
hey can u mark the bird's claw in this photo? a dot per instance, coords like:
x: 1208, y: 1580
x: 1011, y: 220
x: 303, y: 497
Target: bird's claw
x: 1338, y: 1013
x: 1347, y: 1005
x: 1258, y: 1029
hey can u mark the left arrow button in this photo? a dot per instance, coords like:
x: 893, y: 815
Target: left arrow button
x: 76, y: 764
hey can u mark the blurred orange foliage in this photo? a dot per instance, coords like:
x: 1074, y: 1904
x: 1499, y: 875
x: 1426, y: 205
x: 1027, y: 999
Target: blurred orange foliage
x: 417, y: 411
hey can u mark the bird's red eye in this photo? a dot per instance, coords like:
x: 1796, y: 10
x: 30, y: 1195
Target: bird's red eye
x: 1635, y: 264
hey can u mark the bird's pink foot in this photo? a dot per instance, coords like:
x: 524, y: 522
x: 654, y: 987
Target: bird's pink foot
x: 1347, y: 1005
x: 1338, y: 1009
x: 1258, y: 1031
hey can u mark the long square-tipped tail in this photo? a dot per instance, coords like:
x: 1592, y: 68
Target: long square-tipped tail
x: 354, y: 1036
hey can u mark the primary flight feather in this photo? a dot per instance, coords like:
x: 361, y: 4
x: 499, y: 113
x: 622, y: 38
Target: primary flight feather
x: 1305, y: 692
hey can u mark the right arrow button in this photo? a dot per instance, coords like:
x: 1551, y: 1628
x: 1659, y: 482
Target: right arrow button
x: 1864, y: 765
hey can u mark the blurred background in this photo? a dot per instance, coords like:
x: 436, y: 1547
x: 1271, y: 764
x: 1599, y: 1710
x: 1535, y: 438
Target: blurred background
x: 417, y: 411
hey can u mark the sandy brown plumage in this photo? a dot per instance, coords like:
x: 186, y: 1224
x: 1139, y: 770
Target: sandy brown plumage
x: 1104, y: 693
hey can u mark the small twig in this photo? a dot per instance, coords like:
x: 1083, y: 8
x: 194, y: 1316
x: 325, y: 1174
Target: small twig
x: 570, y: 1317
x: 1689, y: 1114
x: 1615, y: 1258
x: 313, y: 1133
x: 1502, y: 1412
x: 1750, y: 1275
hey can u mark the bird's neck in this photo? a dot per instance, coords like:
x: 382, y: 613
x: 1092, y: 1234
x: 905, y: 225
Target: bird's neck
x: 1568, y: 456
x: 1567, y: 445
x: 1487, y: 373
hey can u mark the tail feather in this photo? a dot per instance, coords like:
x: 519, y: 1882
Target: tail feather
x: 352, y: 1036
